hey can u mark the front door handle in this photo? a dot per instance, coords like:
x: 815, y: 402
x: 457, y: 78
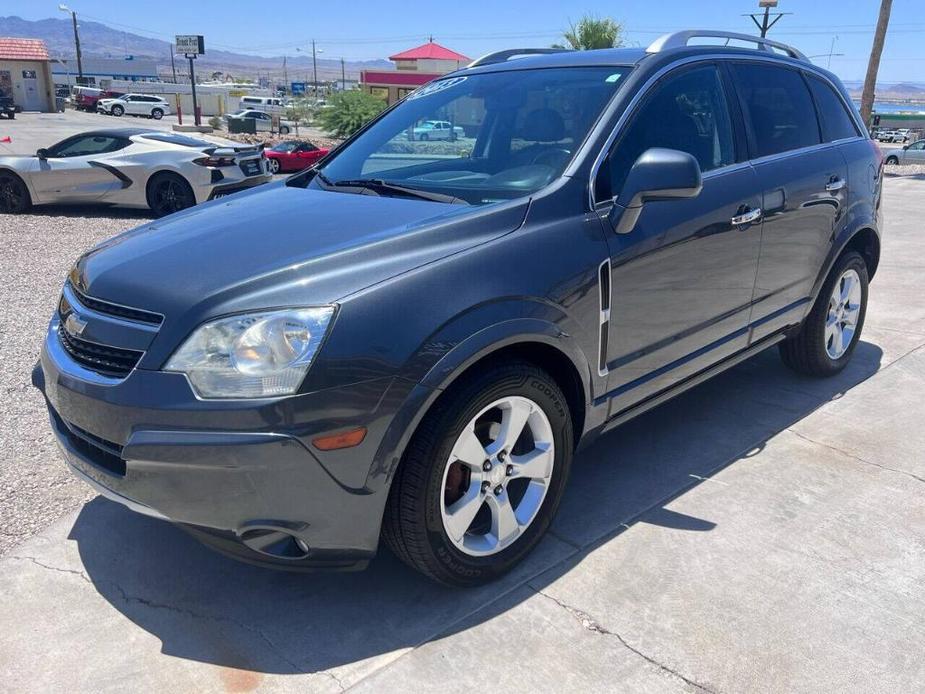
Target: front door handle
x: 834, y: 184
x: 747, y: 217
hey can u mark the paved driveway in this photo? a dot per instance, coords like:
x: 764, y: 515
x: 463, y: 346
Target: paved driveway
x: 763, y: 532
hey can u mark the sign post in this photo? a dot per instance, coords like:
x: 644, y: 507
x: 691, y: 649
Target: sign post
x: 191, y: 46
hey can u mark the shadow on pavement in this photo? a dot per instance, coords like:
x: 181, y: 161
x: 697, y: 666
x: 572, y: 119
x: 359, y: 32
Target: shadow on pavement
x: 207, y: 608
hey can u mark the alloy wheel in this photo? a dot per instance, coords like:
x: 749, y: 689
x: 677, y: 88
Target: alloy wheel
x: 12, y: 195
x: 274, y: 165
x: 844, y: 311
x: 171, y: 196
x: 497, y: 476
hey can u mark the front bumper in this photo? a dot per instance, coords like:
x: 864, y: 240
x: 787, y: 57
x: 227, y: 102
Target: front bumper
x: 233, y: 472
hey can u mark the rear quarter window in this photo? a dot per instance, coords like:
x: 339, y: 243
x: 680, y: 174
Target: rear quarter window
x: 837, y: 123
x: 778, y: 108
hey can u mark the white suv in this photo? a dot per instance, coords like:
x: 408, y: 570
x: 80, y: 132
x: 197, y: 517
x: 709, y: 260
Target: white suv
x: 155, y: 107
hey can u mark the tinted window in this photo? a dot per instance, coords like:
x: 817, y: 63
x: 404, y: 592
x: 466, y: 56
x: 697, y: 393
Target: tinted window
x: 82, y: 146
x: 688, y: 112
x: 837, y: 124
x: 778, y: 108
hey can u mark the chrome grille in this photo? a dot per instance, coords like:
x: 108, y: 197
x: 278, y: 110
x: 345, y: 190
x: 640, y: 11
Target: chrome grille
x: 109, y: 361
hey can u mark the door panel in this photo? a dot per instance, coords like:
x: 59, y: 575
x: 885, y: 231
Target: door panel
x: 682, y: 286
x: 801, y: 217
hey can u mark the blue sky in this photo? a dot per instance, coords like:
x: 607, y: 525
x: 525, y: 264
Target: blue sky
x: 364, y: 29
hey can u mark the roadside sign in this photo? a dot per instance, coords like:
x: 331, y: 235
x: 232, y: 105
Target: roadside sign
x: 190, y: 44
x: 298, y: 87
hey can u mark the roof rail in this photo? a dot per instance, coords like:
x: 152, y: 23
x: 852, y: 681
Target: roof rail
x: 505, y: 55
x: 679, y: 39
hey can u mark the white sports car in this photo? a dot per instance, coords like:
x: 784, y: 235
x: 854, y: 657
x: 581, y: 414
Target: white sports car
x: 129, y: 167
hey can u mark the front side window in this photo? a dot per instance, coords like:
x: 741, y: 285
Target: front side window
x: 778, y: 108
x: 837, y: 124
x: 917, y: 145
x: 83, y: 146
x: 482, y: 137
x: 687, y: 112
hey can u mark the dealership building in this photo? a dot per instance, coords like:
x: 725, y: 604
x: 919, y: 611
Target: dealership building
x: 413, y: 68
x: 25, y: 74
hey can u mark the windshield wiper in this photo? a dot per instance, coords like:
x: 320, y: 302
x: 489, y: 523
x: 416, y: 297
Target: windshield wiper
x: 381, y: 186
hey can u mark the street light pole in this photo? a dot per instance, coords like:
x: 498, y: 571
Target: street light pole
x: 765, y: 24
x: 80, y: 69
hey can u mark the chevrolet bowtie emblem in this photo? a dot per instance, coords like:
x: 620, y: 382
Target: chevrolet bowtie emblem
x: 74, y: 325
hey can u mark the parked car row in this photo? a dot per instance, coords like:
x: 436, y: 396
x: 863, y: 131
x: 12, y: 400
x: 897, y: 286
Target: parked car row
x: 900, y: 135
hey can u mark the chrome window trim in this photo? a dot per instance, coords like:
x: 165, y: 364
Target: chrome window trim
x: 73, y: 299
x: 644, y: 90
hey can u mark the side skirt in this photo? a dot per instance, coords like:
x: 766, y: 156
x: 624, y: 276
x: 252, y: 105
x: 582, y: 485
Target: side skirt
x: 687, y: 384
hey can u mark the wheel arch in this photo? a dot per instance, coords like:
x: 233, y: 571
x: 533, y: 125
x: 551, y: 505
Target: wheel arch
x: 865, y: 240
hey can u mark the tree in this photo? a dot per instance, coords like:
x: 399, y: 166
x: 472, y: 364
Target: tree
x: 347, y: 112
x: 873, y: 66
x: 592, y: 32
x: 299, y: 112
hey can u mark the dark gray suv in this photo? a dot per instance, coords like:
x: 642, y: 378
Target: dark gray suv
x: 410, y: 340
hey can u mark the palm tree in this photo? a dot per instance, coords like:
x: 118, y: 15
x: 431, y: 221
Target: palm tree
x: 873, y: 66
x: 592, y: 32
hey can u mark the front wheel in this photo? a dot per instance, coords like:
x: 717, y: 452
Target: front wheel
x: 117, y: 110
x: 273, y: 165
x: 831, y: 331
x: 157, y: 114
x: 284, y: 130
x: 483, y: 476
x: 892, y: 160
x: 169, y: 193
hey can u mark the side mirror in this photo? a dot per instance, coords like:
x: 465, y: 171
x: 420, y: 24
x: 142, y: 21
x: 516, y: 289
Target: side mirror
x: 42, y: 153
x: 658, y: 174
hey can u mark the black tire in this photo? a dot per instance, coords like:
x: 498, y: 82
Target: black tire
x: 117, y: 111
x: 14, y: 195
x: 413, y: 526
x: 168, y: 193
x: 157, y: 113
x: 284, y: 130
x: 892, y: 160
x: 806, y: 352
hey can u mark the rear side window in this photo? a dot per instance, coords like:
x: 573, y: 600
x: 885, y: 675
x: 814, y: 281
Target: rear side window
x: 687, y: 112
x: 778, y: 108
x: 837, y: 123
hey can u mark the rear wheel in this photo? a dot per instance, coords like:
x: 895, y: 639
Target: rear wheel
x: 483, y: 476
x: 169, y: 193
x: 14, y: 196
x: 831, y: 331
x: 892, y: 160
x: 157, y: 114
x: 117, y: 110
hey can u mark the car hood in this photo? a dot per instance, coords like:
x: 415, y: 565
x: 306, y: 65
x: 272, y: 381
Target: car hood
x: 279, y: 245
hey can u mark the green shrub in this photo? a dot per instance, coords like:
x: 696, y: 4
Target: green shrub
x: 215, y: 123
x: 347, y: 112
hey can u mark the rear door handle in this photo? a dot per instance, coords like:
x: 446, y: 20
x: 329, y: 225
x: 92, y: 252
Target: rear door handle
x: 835, y: 184
x: 747, y: 217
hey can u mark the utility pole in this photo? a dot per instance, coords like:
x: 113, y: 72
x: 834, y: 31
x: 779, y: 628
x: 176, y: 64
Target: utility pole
x: 80, y: 67
x: 873, y: 66
x: 285, y: 76
x: 314, y: 71
x: 766, y: 23
x: 343, y: 76
x: 173, y: 67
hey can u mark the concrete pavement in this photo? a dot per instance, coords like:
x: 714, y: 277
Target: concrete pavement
x: 763, y: 532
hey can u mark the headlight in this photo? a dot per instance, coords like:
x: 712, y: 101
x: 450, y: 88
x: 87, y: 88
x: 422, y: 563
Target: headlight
x: 252, y: 355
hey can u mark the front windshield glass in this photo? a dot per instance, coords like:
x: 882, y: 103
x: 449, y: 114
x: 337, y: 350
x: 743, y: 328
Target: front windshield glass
x: 480, y: 138
x: 284, y: 146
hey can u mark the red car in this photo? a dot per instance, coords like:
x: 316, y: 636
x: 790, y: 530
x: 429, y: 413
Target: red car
x: 293, y: 155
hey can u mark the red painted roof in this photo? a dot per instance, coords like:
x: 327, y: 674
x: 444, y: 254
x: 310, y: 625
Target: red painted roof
x: 23, y: 49
x: 397, y: 77
x: 432, y: 51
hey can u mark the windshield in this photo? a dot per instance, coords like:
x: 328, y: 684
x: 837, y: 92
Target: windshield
x: 284, y: 146
x: 480, y: 138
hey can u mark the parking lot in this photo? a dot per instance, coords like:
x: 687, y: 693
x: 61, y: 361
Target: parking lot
x: 763, y: 531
